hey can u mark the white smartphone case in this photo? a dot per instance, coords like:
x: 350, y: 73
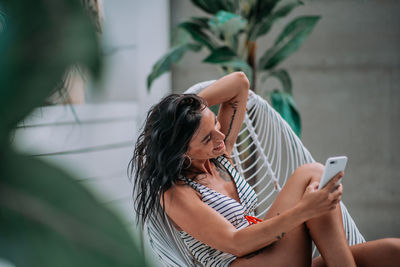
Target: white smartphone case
x: 333, y: 165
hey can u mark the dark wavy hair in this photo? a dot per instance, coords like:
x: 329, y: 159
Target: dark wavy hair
x: 159, y: 156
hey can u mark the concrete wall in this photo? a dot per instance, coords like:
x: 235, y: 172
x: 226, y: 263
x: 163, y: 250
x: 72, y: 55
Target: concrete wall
x: 135, y: 35
x: 346, y: 80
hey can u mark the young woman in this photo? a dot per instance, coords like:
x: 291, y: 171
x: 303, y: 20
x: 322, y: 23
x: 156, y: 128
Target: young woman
x: 182, y: 165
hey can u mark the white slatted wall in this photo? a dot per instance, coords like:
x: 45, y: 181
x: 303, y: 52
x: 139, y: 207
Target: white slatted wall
x: 96, y: 146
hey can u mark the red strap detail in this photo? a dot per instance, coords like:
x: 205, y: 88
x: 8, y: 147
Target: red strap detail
x: 252, y: 220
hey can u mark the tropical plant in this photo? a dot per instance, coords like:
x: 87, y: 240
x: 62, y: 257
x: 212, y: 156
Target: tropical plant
x: 230, y: 34
x: 46, y: 217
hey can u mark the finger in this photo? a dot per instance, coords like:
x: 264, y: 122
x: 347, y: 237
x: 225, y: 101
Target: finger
x: 337, y: 200
x: 312, y: 186
x: 336, y: 188
x: 331, y: 184
x: 337, y: 194
x: 333, y: 207
x: 337, y: 191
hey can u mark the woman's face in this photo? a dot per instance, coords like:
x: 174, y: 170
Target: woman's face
x: 207, y: 142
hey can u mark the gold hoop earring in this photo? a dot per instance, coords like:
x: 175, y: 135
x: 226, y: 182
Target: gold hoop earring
x: 189, y: 159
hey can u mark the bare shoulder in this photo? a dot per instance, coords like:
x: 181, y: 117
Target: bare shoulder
x: 181, y: 193
x: 189, y: 213
x: 179, y: 201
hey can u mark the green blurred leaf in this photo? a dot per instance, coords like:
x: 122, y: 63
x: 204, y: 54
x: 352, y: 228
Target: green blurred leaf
x: 245, y: 8
x: 221, y: 54
x: 227, y: 26
x: 290, y: 39
x: 179, y: 36
x: 201, y: 21
x: 265, y: 25
x: 41, y: 41
x: 213, y: 6
x: 215, y: 109
x: 3, y: 21
x: 48, y: 219
x: 284, y: 104
x: 209, y: 6
x: 164, y: 63
x: 261, y: 9
x: 195, y: 29
x: 283, y: 77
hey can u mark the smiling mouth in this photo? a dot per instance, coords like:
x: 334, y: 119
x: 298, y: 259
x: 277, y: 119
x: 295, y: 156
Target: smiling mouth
x: 220, y: 147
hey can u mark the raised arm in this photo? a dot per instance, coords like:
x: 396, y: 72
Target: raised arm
x: 231, y: 92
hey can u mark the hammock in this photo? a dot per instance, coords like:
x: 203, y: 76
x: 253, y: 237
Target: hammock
x: 266, y: 153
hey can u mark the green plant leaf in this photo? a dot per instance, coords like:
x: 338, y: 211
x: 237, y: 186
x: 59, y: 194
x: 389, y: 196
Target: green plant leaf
x: 3, y: 21
x: 164, y: 63
x: 227, y: 25
x: 182, y: 35
x: 261, y: 9
x: 179, y: 36
x: 245, y: 8
x: 213, y: 6
x: 225, y: 22
x: 265, y: 25
x: 283, y: 77
x: 284, y: 104
x: 221, y: 54
x: 195, y: 29
x: 201, y: 21
x: 290, y: 39
x: 40, y: 42
x: 209, y: 6
x: 48, y: 219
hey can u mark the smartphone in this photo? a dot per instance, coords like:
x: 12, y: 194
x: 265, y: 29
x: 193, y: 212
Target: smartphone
x: 333, y: 165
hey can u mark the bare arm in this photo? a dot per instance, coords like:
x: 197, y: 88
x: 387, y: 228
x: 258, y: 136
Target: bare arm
x: 231, y: 92
x: 187, y: 210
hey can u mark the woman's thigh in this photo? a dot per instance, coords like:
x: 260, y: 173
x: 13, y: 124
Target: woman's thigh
x: 293, y: 250
x: 295, y: 246
x: 382, y: 252
x: 293, y: 190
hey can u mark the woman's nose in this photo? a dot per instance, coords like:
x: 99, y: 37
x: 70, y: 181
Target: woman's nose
x: 221, y: 136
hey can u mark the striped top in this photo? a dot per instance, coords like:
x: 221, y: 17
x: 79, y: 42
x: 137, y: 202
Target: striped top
x: 232, y: 210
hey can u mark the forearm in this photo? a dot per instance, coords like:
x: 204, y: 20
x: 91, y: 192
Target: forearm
x: 257, y: 236
x: 226, y: 89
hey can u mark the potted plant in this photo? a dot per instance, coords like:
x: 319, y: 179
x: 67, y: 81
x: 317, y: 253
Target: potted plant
x: 230, y: 33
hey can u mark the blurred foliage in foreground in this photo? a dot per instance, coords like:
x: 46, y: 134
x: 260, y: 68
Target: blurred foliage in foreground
x: 230, y: 32
x: 46, y: 217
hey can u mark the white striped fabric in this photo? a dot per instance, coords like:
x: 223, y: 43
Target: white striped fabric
x: 232, y: 210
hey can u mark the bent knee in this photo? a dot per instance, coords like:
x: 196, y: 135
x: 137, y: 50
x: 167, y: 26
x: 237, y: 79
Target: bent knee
x: 309, y: 171
x: 392, y: 245
x: 313, y: 168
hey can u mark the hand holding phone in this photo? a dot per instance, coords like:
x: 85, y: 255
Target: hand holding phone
x: 333, y: 166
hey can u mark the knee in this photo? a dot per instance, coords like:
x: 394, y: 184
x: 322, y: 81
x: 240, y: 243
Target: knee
x: 311, y: 170
x: 392, y: 246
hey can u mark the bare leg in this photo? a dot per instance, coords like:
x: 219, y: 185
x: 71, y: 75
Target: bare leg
x: 328, y: 234
x: 295, y: 247
x: 377, y: 253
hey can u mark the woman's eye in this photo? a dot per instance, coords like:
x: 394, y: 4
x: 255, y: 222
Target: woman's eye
x: 208, y: 140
